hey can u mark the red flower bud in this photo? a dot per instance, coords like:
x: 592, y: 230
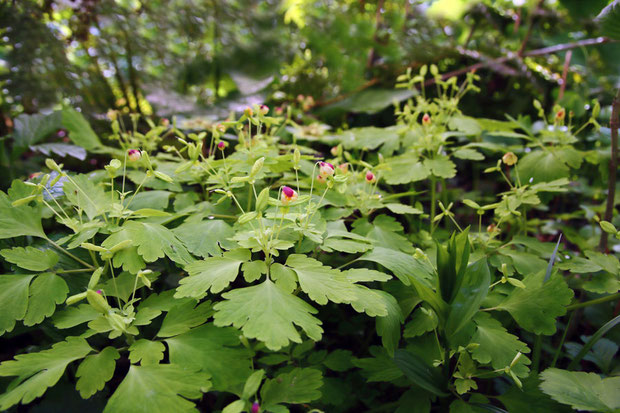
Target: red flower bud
x: 134, y: 154
x: 255, y: 407
x: 370, y: 177
x: 426, y: 119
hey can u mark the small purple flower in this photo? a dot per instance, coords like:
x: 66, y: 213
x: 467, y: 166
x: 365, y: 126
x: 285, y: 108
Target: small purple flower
x: 255, y: 407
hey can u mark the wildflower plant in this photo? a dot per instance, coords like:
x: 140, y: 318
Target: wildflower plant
x: 266, y: 267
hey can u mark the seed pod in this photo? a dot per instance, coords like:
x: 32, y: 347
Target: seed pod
x: 94, y: 279
x: 98, y: 302
x: 76, y: 298
x: 258, y: 165
x: 262, y: 199
x: 51, y: 164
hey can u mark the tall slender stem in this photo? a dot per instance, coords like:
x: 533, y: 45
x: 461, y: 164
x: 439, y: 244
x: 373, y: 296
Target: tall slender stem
x: 614, y: 124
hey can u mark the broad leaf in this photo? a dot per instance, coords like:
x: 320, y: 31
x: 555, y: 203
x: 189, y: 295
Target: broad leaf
x: 582, y: 391
x: 159, y: 388
x: 388, y: 327
x: 497, y: 346
x: 320, y: 282
x: 46, y: 291
x: 79, y: 130
x: 536, y: 306
x: 146, y: 352
x: 154, y: 241
x: 420, y: 372
x: 30, y: 258
x: 13, y: 299
x: 268, y: 313
x: 95, y: 371
x: 38, y: 371
x: 213, y: 273
x: 205, y: 237
x: 18, y: 221
x: 30, y: 129
x: 441, y: 166
x: 608, y: 20
x: 83, y: 193
x: 184, y: 316
x: 473, y: 289
x: 405, y: 169
x: 216, y: 351
x: 301, y: 385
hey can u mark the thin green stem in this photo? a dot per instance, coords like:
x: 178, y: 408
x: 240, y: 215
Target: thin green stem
x: 433, y: 201
x: 84, y: 263
x: 561, y: 344
x: 118, y: 300
x: 596, y: 301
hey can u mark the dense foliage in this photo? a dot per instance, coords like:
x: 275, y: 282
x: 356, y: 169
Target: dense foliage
x: 439, y: 260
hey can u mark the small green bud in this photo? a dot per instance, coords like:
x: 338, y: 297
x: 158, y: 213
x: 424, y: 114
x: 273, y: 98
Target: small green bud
x: 24, y: 201
x: 608, y: 227
x: 76, y: 298
x: 51, y: 164
x: 94, y: 279
x: 296, y: 156
x: 163, y: 176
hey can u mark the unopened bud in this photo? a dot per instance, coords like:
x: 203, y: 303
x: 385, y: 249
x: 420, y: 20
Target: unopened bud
x: 509, y: 158
x: 426, y: 119
x: 98, y: 302
x: 134, y: 154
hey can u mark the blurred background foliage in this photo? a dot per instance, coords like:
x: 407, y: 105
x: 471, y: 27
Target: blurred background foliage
x: 204, y: 58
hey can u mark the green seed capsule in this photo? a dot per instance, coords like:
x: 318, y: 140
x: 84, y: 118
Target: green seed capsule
x: 97, y: 302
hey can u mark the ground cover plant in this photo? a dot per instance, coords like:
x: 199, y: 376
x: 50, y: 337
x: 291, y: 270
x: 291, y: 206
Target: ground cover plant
x: 270, y: 262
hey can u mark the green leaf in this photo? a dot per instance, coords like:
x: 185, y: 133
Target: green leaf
x: 30, y: 258
x: 371, y: 100
x: 380, y: 367
x: 30, y: 129
x: 158, y: 388
x: 608, y: 20
x: 405, y: 169
x: 84, y: 193
x: 401, y: 264
x: 128, y: 257
x: 385, y: 231
x: 339, y: 360
x: 79, y: 130
x: 154, y: 241
x: 345, y: 245
x: 18, y: 221
x: 204, y: 238
x: 235, y: 407
x: 473, y: 290
x: 215, y: 350
x: 46, y: 291
x: 388, y: 327
x: 300, y: 385
x: 420, y: 372
x: 320, y: 282
x: 357, y: 275
x: 253, y: 270
x: 146, y: 352
x: 184, y: 316
x: 470, y: 154
x: 582, y: 391
x: 38, y: 371
x: 13, y: 299
x: 252, y: 383
x: 213, y: 273
x: 73, y: 316
x: 497, y: 346
x: 422, y: 321
x: 536, y: 306
x: 268, y: 313
x: 95, y: 371
x: 530, y: 398
x: 403, y: 209
x: 441, y: 166
x: 541, y: 166
x: 284, y: 277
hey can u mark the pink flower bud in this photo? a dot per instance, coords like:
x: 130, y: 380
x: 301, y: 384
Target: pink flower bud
x: 134, y: 154
x: 255, y: 407
x: 344, y: 167
x: 264, y: 109
x: 248, y: 111
x: 279, y: 110
x: 288, y: 195
x: 326, y: 169
x: 99, y: 292
x: 334, y: 151
x: 221, y: 145
x: 370, y: 177
x: 426, y: 119
x: 300, y: 98
x: 321, y: 179
x: 165, y: 122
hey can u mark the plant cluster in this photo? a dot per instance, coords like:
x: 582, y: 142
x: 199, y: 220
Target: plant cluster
x: 264, y: 265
